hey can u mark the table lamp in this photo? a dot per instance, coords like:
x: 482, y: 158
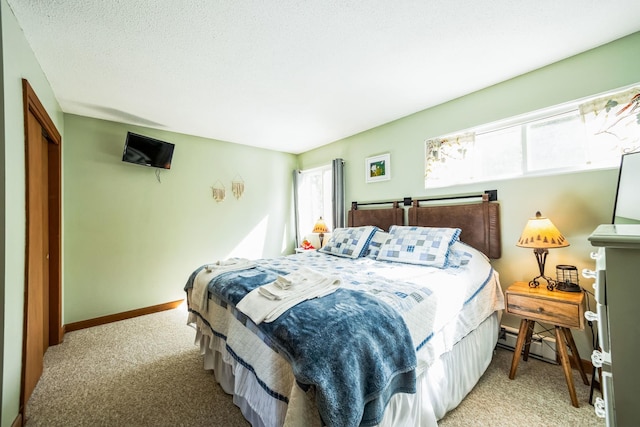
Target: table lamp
x: 541, y: 235
x: 320, y: 227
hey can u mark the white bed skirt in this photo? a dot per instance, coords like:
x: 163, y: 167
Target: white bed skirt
x: 440, y: 388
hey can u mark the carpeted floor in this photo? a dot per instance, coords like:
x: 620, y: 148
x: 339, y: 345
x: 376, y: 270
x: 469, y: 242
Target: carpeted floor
x: 147, y: 372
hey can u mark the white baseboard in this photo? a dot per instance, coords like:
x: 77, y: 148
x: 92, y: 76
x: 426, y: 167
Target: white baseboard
x: 542, y: 347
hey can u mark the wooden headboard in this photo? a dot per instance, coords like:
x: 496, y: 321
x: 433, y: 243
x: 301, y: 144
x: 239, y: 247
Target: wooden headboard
x: 383, y: 218
x: 479, y: 222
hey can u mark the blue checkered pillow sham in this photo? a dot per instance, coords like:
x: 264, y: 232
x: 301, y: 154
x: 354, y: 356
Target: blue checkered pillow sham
x: 376, y: 243
x: 351, y: 242
x: 419, y: 245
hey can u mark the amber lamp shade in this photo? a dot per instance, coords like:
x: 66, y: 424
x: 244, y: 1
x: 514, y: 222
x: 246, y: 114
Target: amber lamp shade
x: 320, y: 227
x: 541, y: 235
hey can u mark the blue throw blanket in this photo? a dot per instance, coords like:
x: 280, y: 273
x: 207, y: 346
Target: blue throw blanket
x: 354, y: 349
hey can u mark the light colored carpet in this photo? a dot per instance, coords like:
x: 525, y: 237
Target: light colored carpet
x: 147, y: 372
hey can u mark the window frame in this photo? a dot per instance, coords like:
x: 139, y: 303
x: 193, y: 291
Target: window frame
x: 521, y: 121
x: 327, y: 204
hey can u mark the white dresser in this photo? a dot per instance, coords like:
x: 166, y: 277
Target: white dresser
x: 617, y: 294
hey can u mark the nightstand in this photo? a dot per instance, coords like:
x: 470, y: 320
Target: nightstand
x: 563, y: 310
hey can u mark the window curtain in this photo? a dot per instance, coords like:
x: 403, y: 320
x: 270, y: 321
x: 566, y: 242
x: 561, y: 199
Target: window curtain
x: 338, y: 209
x: 615, y: 119
x: 449, y: 159
x: 296, y: 183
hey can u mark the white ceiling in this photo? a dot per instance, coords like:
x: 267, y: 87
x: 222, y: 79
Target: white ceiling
x: 292, y: 75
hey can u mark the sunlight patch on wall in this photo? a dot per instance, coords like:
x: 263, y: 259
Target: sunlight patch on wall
x: 252, y: 246
x: 283, y: 247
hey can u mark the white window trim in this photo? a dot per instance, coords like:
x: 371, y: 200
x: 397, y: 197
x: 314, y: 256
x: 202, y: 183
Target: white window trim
x: 523, y: 119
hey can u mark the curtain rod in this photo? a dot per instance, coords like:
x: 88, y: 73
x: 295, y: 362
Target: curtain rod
x: 492, y: 196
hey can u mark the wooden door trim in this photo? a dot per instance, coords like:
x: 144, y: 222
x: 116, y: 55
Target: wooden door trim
x: 33, y: 106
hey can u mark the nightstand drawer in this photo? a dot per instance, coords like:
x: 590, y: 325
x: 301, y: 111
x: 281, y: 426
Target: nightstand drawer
x: 546, y: 311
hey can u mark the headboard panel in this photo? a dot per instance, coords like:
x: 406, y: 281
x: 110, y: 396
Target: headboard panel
x: 479, y: 222
x: 383, y: 218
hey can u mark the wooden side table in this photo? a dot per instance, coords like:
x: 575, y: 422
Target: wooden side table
x: 563, y: 310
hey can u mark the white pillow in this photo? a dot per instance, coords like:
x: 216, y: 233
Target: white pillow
x: 460, y: 254
x: 419, y: 245
x: 351, y: 242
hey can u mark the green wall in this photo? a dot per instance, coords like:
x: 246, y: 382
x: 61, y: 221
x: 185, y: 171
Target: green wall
x: 132, y: 241
x: 18, y: 62
x: 576, y: 203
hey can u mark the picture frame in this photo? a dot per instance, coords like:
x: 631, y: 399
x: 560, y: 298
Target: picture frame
x: 377, y: 168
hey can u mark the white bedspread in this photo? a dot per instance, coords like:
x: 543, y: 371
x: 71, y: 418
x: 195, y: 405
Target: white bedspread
x: 439, y: 306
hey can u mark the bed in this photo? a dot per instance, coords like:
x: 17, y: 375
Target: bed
x: 385, y: 342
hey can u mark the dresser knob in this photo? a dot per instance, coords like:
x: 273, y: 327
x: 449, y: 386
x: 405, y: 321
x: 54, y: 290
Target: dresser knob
x: 540, y: 309
x: 596, y: 359
x: 600, y: 407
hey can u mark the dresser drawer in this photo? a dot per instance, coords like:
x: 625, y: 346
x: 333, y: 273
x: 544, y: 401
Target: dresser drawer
x: 546, y: 311
x: 600, y: 287
x: 603, y: 328
x: 606, y: 408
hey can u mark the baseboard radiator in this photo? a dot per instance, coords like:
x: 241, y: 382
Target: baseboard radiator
x: 542, y: 347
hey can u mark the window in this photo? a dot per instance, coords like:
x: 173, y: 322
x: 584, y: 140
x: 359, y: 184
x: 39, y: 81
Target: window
x: 555, y: 143
x: 583, y: 135
x: 315, y: 198
x: 498, y: 156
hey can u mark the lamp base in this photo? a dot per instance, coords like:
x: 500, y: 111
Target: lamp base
x: 568, y: 287
x: 535, y: 282
x: 541, y: 257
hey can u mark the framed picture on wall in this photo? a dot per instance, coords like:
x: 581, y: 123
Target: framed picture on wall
x: 378, y: 168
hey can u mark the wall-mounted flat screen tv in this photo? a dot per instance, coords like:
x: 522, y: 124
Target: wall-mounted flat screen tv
x: 146, y: 151
x: 627, y: 206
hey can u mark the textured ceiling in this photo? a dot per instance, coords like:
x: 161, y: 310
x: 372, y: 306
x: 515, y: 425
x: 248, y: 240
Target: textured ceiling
x: 292, y: 75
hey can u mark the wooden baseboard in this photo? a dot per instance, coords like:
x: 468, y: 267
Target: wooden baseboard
x: 18, y: 421
x: 587, y: 367
x: 70, y: 327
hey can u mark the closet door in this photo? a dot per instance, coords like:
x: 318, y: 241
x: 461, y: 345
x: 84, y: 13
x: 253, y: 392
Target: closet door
x: 43, y: 258
x: 37, y: 280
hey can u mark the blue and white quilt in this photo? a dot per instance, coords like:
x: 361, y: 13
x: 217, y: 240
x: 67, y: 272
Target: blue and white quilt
x: 365, y: 342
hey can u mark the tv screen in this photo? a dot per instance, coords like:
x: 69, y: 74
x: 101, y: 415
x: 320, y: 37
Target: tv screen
x: 626, y: 209
x: 146, y: 151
